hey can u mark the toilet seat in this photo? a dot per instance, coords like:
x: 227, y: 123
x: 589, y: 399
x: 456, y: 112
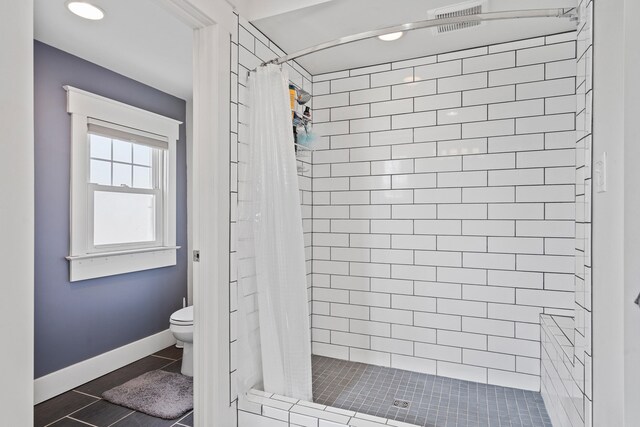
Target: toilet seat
x: 181, y: 326
x: 182, y: 317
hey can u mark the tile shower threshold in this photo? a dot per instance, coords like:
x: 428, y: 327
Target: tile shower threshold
x: 301, y: 411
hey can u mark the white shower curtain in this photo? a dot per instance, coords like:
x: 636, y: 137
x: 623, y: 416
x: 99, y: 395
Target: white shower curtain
x: 274, y: 346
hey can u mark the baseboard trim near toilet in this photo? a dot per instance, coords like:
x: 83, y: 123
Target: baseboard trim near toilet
x: 72, y: 376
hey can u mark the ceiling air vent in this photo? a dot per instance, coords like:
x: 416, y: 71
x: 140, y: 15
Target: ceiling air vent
x: 462, y: 9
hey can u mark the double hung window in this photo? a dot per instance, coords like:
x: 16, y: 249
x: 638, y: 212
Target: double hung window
x: 125, y: 190
x: 122, y: 187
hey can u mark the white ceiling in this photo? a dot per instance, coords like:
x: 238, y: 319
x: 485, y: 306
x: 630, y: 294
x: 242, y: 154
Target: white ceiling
x: 258, y: 9
x: 144, y: 41
x: 327, y: 21
x: 137, y: 38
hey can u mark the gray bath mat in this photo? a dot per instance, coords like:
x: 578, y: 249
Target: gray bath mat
x: 157, y: 393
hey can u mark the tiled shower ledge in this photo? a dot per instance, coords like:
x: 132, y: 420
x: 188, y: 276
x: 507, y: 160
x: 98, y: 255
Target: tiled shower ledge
x: 561, y: 327
x: 303, y: 413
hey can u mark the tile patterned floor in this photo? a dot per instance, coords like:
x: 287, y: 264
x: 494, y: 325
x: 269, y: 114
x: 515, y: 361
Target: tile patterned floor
x: 433, y: 401
x: 83, y: 406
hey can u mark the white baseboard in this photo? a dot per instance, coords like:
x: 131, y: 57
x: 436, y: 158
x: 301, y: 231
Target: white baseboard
x: 72, y: 376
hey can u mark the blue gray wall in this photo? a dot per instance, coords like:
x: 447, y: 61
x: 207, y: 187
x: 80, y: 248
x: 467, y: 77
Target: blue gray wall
x: 76, y: 321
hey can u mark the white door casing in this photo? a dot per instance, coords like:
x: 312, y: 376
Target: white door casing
x: 209, y: 185
x: 17, y: 211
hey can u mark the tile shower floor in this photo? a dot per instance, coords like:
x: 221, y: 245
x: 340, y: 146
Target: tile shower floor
x: 432, y: 401
x: 82, y: 406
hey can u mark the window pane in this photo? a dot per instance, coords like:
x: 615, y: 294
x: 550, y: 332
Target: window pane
x: 100, y: 172
x: 100, y: 147
x: 121, y: 151
x: 121, y: 175
x: 142, y: 155
x: 142, y: 177
x: 120, y: 218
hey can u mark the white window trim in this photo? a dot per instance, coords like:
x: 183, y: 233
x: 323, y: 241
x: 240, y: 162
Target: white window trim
x: 85, y: 264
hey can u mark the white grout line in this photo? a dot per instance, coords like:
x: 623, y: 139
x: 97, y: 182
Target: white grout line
x: 59, y: 419
x: 164, y: 366
x: 181, y: 419
x: 78, y: 410
x: 68, y: 415
x: 128, y: 415
x: 87, y: 394
x: 163, y: 357
x: 80, y: 421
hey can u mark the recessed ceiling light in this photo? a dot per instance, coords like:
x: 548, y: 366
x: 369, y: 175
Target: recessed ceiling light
x: 85, y: 10
x: 391, y: 36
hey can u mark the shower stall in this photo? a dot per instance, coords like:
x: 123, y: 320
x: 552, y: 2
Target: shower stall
x: 443, y: 223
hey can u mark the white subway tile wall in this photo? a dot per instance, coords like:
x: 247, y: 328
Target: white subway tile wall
x: 566, y: 342
x: 447, y: 210
x: 439, y: 268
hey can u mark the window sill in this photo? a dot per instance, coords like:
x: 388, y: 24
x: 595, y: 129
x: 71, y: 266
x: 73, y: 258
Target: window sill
x: 91, y: 266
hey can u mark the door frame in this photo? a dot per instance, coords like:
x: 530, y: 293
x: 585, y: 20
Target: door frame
x: 209, y: 185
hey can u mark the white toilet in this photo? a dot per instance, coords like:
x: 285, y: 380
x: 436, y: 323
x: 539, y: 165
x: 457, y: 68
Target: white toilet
x: 181, y: 325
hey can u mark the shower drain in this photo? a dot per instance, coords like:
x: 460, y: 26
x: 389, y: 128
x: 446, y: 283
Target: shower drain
x: 402, y: 404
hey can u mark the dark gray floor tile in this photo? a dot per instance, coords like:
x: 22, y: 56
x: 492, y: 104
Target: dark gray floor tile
x: 97, y: 412
x: 138, y: 419
x: 188, y: 420
x: 59, y: 406
x: 173, y: 367
x: 122, y: 375
x: 68, y: 422
x: 433, y: 401
x: 170, y: 353
x: 101, y: 413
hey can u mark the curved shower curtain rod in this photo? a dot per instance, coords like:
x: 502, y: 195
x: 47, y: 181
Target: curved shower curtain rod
x: 569, y: 13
